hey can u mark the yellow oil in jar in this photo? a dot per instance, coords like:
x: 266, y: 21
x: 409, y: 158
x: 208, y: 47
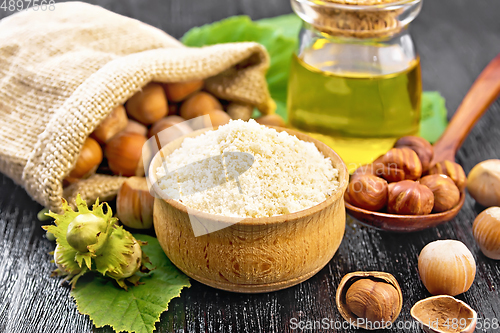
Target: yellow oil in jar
x: 359, y: 115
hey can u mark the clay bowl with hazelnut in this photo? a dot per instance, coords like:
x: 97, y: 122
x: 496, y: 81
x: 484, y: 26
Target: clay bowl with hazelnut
x: 391, y: 194
x: 251, y: 255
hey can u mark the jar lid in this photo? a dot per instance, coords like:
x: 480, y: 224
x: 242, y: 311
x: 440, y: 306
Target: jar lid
x: 358, y: 18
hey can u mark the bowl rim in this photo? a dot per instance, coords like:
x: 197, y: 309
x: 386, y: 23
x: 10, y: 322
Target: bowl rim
x: 255, y: 221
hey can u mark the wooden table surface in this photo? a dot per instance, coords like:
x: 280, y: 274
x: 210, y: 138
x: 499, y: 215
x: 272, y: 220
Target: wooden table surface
x: 455, y: 38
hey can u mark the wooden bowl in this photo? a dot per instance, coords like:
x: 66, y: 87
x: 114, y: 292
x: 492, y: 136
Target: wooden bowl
x: 252, y: 255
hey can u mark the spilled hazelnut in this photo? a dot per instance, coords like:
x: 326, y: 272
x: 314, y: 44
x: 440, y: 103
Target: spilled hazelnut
x: 446, y: 267
x: 483, y: 183
x: 486, y: 231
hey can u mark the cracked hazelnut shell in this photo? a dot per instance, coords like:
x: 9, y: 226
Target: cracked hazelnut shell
x: 444, y: 314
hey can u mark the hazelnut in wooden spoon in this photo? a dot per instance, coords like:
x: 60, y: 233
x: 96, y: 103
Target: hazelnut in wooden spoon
x: 420, y: 146
x: 446, y: 193
x: 452, y: 170
x: 409, y: 198
x: 405, y: 160
x: 368, y: 192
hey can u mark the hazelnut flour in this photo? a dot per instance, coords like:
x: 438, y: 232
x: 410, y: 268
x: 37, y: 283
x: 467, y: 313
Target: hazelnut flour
x: 287, y: 174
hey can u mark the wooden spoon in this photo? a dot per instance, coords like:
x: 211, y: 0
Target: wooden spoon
x: 480, y: 96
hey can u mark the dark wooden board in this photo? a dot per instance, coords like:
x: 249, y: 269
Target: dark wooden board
x: 456, y: 39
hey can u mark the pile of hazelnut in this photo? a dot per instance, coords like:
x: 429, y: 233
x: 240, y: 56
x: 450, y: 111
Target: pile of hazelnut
x: 119, y: 138
x: 115, y: 146
x: 404, y: 182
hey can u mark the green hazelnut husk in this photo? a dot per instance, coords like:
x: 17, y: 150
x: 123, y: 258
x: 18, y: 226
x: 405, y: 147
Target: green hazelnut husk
x: 84, y: 230
x: 91, y: 240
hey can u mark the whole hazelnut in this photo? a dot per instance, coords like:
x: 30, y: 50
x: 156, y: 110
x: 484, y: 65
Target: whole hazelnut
x: 124, y: 154
x: 168, y: 122
x: 446, y: 267
x: 366, y: 169
x: 148, y: 105
x: 452, y: 170
x: 134, y: 204
x: 218, y: 117
x: 239, y: 111
x: 446, y: 193
x: 389, y: 173
x: 483, y: 183
x: 179, y: 91
x: 113, y: 124
x: 420, y: 146
x: 486, y: 231
x: 374, y: 297
x: 403, y: 159
x: 409, y: 198
x: 373, y: 300
x: 89, y: 158
x: 367, y: 192
x: 271, y: 120
x: 199, y: 104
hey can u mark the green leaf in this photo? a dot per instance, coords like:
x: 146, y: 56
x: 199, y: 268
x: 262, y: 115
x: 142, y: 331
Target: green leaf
x: 279, y: 35
x: 287, y: 25
x: 433, y: 120
x: 279, y: 43
x: 139, y: 308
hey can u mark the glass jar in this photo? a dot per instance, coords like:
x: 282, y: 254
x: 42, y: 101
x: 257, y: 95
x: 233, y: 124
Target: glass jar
x: 355, y: 81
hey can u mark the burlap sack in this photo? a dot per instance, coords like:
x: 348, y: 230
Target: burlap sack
x: 63, y: 70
